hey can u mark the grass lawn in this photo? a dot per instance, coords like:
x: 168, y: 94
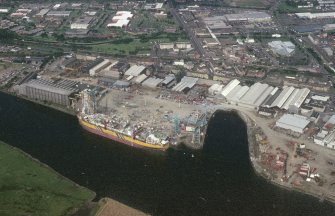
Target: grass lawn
x: 249, y: 3
x: 28, y: 187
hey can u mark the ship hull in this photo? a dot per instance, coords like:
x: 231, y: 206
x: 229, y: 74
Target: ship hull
x: 119, y: 137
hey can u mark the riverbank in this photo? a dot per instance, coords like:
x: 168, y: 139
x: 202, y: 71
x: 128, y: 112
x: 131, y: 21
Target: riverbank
x: 29, y: 187
x: 255, y: 159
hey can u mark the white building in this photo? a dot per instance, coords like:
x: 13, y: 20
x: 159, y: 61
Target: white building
x: 4, y: 10
x: 215, y: 89
x: 135, y: 70
x: 82, y: 23
x: 308, y: 15
x: 229, y: 87
x: 284, y: 48
x: 121, y: 19
x: 99, y: 67
x: 295, y: 123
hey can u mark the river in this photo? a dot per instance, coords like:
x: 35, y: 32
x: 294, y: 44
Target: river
x: 219, y: 180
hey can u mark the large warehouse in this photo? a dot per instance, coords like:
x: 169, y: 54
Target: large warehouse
x: 229, y: 87
x: 47, y: 90
x: 295, y: 123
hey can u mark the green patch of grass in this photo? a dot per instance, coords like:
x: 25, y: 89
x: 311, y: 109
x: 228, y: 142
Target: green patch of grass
x: 30, y: 188
x: 248, y: 3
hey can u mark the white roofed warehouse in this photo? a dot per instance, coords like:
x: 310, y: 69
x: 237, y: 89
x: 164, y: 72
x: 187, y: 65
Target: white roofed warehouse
x: 295, y: 123
x: 229, y: 87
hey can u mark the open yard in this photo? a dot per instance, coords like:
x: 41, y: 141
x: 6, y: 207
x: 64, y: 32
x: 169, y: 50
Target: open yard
x: 28, y: 187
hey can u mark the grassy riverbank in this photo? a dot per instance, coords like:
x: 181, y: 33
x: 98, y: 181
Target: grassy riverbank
x: 28, y: 187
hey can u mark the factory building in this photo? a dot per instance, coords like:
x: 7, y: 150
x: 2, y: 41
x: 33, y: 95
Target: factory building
x: 99, y: 67
x: 47, y: 90
x: 140, y: 78
x: 253, y: 94
x: 152, y: 82
x: 135, y: 70
x: 326, y: 137
x: 4, y: 10
x: 249, y: 16
x: 169, y: 81
x: 185, y: 84
x: 237, y: 93
x: 82, y: 23
x: 229, y: 87
x: 329, y: 27
x: 216, y: 22
x: 308, y: 15
x: 261, y: 95
x: 295, y: 123
x: 283, y: 48
x: 121, y: 19
x: 42, y: 13
x: 215, y: 89
x: 282, y: 97
x: 59, y: 13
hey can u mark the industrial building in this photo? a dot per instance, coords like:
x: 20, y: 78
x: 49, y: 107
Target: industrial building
x: 185, y: 84
x: 169, y: 81
x: 308, y: 15
x: 229, y: 87
x: 249, y: 16
x: 135, y: 70
x: 255, y: 95
x: 295, y: 123
x: 82, y: 23
x: 283, y: 48
x: 4, y: 10
x: 215, y: 89
x: 216, y: 22
x: 140, y: 78
x: 99, y: 67
x: 326, y: 137
x: 59, y: 13
x: 178, y: 45
x: 42, y: 12
x: 121, y: 19
x: 86, y: 68
x: 329, y: 27
x: 152, y: 82
x: 57, y: 92
x: 261, y: 95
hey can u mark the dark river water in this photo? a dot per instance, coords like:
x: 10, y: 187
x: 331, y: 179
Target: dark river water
x: 218, y: 180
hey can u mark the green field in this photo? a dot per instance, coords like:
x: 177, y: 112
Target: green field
x: 248, y: 3
x: 28, y: 187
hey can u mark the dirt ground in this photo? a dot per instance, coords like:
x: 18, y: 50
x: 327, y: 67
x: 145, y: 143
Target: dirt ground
x: 114, y: 208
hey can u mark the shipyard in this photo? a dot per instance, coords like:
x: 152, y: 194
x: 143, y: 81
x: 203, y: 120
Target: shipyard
x: 154, y: 77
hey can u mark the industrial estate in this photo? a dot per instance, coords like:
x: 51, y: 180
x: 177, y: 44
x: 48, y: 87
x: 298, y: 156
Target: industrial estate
x: 151, y: 75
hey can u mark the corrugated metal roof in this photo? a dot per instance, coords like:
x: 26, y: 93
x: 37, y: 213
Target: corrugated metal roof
x: 294, y: 120
x: 152, y: 82
x: 283, y: 96
x: 140, y: 78
x: 254, y: 93
x: 230, y: 86
x: 135, y: 70
x: 186, y: 82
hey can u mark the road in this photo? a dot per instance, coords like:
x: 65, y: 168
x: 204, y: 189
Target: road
x: 190, y: 33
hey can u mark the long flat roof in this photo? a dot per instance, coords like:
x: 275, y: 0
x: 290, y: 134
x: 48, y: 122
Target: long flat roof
x: 135, y: 70
x: 294, y: 120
